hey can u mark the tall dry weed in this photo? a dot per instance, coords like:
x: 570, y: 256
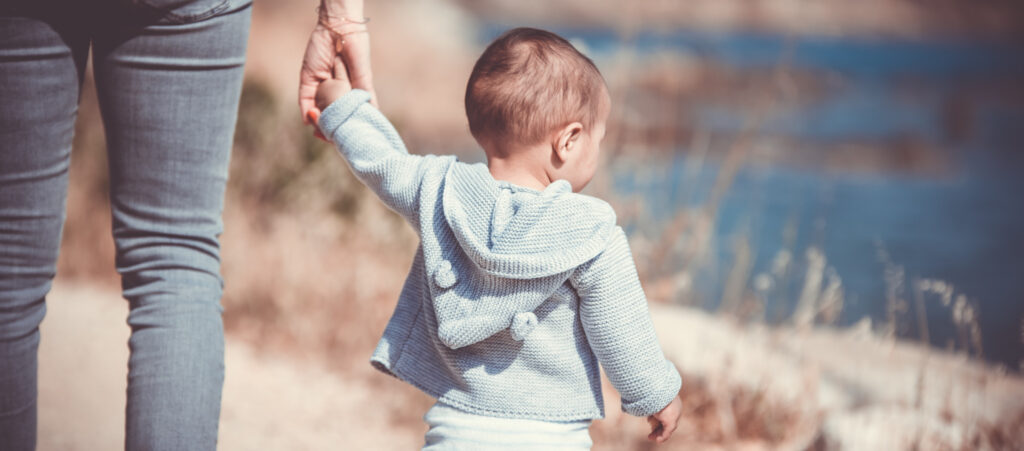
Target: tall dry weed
x: 313, y: 261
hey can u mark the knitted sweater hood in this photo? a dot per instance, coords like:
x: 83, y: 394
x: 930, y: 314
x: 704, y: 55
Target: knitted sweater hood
x: 504, y: 234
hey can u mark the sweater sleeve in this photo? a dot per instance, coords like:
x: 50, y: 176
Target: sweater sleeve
x: 613, y: 310
x: 374, y: 151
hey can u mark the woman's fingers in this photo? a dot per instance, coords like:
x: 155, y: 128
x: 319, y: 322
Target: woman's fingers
x: 341, y: 72
x: 322, y: 61
x: 316, y: 67
x: 356, y: 54
x: 312, y: 117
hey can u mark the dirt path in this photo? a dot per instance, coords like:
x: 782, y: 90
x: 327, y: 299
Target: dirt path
x: 268, y: 402
x: 850, y: 389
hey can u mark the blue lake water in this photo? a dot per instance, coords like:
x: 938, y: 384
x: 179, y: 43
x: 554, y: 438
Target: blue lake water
x: 964, y: 226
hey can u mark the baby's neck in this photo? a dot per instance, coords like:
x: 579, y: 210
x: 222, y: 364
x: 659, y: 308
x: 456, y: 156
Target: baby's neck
x: 521, y: 167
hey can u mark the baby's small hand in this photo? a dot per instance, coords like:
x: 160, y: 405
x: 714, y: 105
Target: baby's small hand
x: 663, y: 423
x: 329, y: 91
x: 332, y: 89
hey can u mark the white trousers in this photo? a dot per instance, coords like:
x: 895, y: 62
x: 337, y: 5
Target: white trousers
x: 453, y: 429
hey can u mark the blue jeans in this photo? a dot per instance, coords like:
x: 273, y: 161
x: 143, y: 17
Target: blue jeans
x: 168, y: 74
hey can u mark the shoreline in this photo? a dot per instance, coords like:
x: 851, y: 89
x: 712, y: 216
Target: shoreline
x: 826, y: 17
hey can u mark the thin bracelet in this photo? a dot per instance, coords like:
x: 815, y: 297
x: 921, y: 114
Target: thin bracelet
x: 322, y: 14
x: 339, y: 36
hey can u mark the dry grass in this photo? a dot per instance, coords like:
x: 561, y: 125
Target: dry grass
x: 716, y: 415
x: 1007, y: 435
x: 313, y: 262
x: 732, y: 414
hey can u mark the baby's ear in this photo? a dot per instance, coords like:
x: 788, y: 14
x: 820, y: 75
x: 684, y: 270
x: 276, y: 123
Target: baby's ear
x: 567, y: 139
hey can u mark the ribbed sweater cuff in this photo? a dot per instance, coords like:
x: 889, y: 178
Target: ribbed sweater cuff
x: 653, y: 404
x: 340, y: 110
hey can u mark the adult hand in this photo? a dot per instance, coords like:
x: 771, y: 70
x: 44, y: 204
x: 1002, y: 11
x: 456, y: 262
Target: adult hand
x: 319, y: 62
x: 326, y: 93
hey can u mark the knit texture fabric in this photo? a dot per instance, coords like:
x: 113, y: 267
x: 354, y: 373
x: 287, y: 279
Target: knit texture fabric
x: 515, y: 295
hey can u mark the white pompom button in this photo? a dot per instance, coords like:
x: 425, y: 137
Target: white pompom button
x: 444, y: 276
x: 522, y: 324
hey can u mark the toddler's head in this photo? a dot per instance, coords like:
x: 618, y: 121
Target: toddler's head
x: 534, y: 99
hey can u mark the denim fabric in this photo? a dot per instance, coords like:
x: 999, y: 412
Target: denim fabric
x: 168, y: 79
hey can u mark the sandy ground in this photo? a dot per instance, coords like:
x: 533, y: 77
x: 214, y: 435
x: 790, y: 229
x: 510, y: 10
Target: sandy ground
x: 268, y: 402
x: 850, y: 390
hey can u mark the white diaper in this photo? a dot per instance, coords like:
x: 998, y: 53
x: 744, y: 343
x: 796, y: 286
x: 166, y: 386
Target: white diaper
x: 453, y: 429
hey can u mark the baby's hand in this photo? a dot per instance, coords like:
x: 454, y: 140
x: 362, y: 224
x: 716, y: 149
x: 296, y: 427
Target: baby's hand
x: 332, y: 89
x: 663, y: 423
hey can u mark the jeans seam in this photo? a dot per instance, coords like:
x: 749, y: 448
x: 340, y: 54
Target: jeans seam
x: 28, y: 406
x: 189, y: 18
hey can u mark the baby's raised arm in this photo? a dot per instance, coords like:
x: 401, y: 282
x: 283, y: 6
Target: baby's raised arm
x: 370, y: 145
x: 613, y: 310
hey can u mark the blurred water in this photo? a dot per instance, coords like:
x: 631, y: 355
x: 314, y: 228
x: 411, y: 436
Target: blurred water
x: 965, y: 231
x: 965, y: 228
x: 963, y: 225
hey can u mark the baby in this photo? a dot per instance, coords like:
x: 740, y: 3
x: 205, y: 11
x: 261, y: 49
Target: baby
x: 520, y: 286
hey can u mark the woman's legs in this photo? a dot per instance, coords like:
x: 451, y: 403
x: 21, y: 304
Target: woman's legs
x: 41, y: 64
x: 169, y: 99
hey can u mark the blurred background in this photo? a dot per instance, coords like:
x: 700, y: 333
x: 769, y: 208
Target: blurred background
x: 824, y: 199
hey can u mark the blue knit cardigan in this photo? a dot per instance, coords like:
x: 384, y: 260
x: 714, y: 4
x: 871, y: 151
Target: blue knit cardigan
x: 514, y: 294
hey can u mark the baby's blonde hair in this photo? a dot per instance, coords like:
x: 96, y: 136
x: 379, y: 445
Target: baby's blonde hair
x: 528, y: 83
